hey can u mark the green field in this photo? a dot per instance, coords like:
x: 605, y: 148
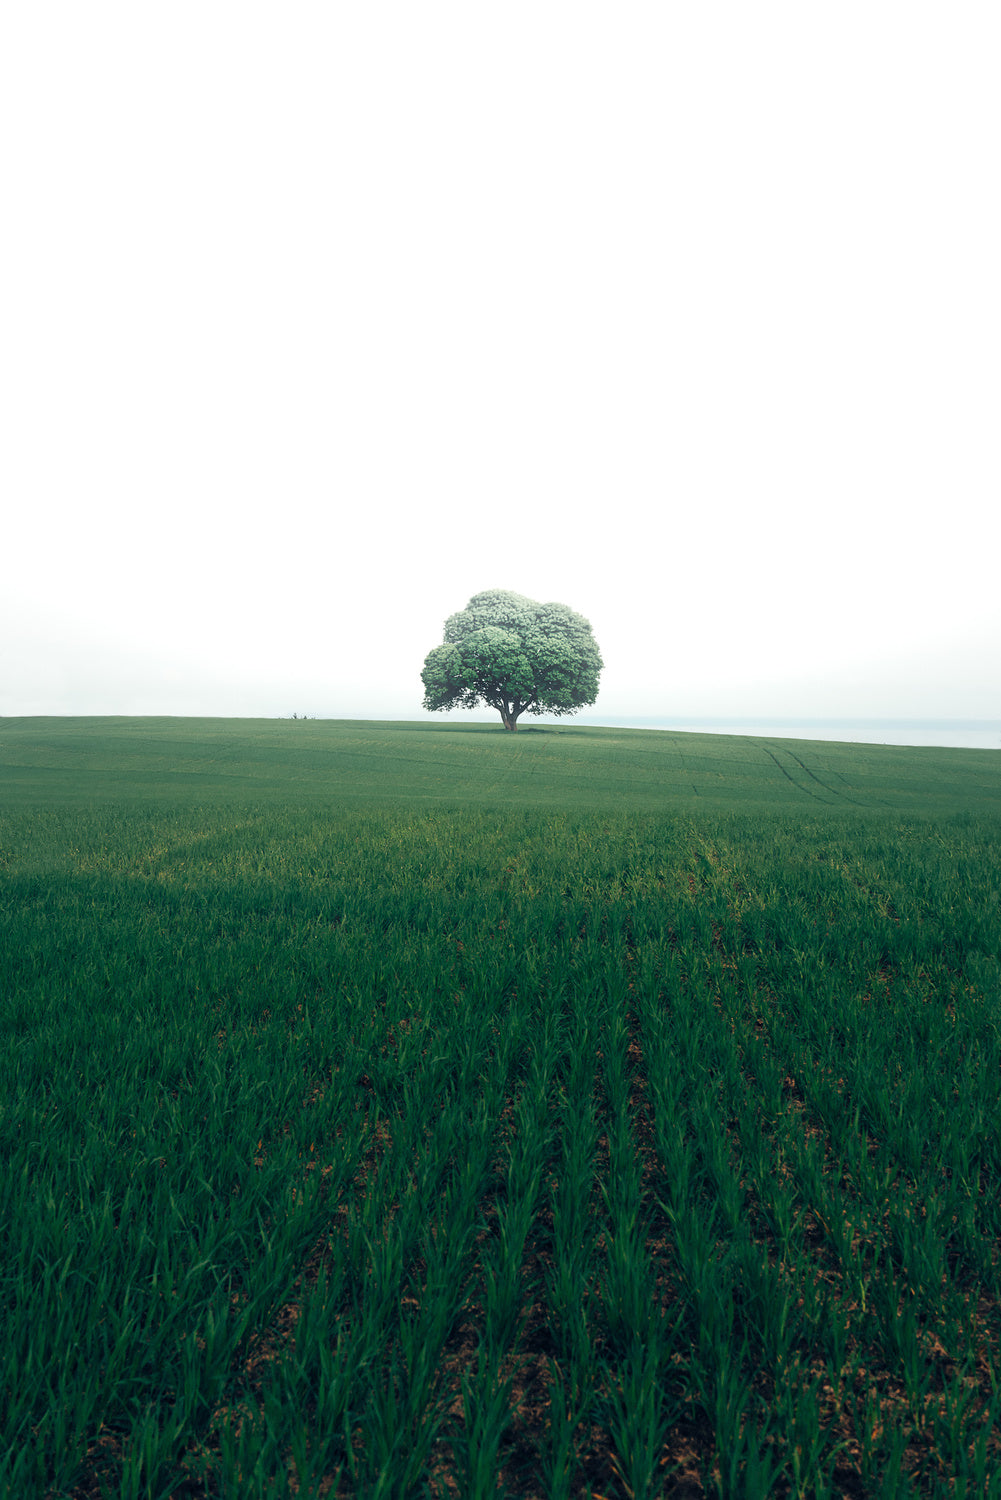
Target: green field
x: 181, y: 761
x: 401, y: 1109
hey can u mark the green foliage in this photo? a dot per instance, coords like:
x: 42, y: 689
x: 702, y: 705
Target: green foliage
x: 515, y: 655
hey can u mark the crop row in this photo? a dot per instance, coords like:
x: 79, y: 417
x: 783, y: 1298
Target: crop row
x: 401, y: 1154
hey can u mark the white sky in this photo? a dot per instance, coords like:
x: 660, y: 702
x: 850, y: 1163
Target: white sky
x: 316, y: 319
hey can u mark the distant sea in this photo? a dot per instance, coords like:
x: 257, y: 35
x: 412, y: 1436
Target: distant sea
x: 964, y: 734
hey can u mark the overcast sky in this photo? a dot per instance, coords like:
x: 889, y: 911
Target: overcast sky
x: 319, y: 318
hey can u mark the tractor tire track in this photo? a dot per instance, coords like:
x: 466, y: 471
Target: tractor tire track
x: 835, y: 791
x: 808, y: 790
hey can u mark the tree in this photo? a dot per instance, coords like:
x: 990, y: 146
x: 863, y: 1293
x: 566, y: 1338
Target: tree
x: 516, y: 656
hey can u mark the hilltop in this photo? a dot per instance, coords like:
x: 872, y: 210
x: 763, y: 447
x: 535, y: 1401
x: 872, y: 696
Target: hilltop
x: 567, y: 765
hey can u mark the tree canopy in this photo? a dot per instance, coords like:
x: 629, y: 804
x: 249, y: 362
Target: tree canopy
x: 515, y: 655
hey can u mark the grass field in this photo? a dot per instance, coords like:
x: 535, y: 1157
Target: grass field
x: 181, y: 761
x: 400, y: 1109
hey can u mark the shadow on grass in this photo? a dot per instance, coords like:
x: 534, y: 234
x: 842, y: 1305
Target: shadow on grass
x: 481, y: 728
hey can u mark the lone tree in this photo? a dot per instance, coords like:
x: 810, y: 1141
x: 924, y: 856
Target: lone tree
x: 516, y: 656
